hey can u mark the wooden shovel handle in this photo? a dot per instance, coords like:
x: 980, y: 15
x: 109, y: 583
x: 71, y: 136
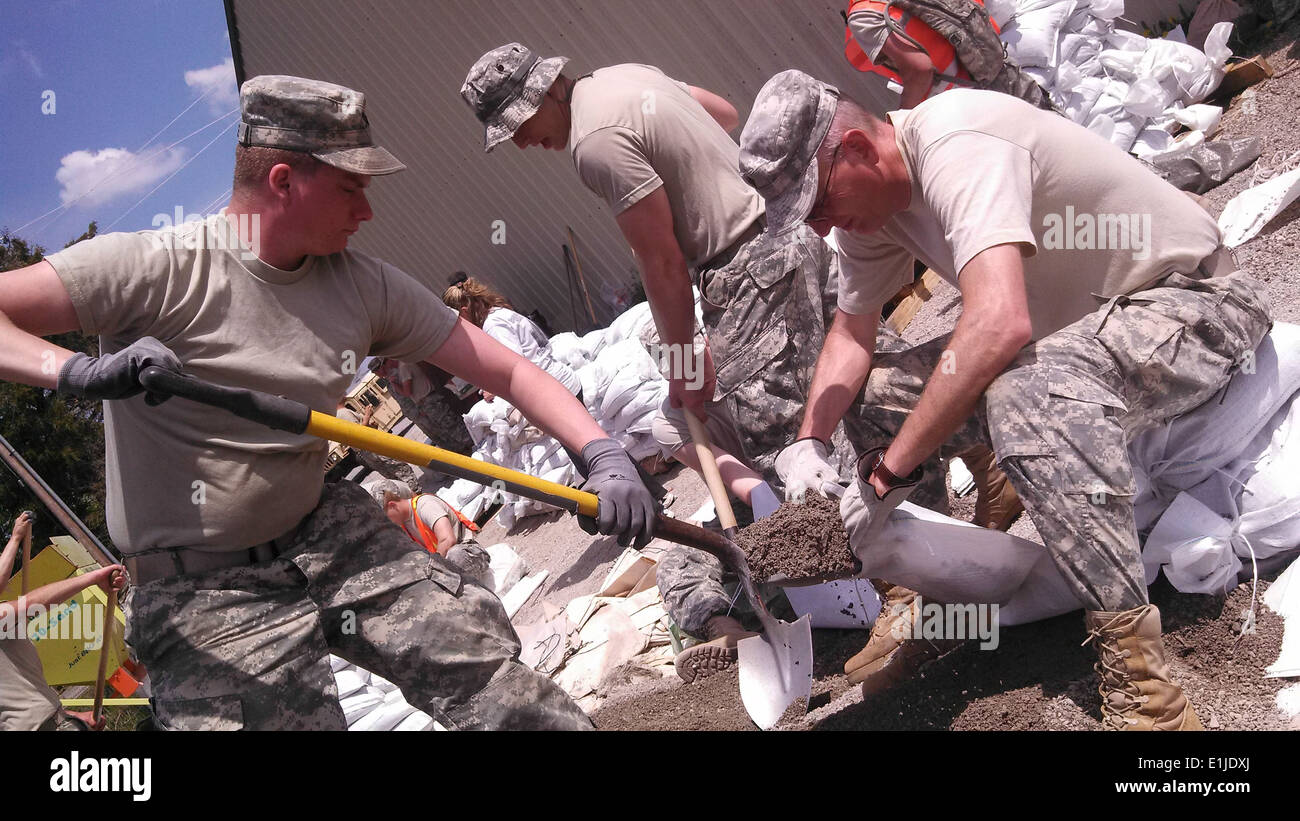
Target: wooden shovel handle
x: 709, y: 466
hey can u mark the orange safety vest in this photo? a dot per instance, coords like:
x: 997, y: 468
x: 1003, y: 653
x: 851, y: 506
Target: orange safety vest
x: 427, y: 537
x: 942, y: 55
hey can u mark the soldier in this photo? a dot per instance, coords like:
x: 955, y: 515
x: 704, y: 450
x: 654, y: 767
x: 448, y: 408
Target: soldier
x: 1097, y: 302
x: 657, y: 151
x: 930, y: 46
x: 247, y: 570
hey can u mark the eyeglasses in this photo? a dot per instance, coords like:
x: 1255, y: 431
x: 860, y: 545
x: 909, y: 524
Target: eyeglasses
x: 814, y: 215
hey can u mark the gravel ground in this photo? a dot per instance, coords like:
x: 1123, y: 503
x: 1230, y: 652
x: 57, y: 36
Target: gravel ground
x: 1039, y: 677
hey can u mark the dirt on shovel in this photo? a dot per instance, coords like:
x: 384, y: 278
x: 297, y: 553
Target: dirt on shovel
x: 801, y: 540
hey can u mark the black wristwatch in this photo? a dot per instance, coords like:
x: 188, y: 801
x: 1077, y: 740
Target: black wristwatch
x: 877, y: 462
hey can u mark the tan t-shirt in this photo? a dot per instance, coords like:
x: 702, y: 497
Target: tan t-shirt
x: 185, y: 474
x: 989, y: 169
x: 431, y: 508
x: 26, y: 701
x: 634, y: 130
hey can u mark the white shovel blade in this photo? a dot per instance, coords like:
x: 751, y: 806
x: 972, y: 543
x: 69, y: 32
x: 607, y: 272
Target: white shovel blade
x: 775, y: 670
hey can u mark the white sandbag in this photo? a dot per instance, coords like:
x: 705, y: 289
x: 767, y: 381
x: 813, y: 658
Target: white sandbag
x: 506, y: 565
x: 628, y: 324
x: 1193, y: 545
x: 385, y: 716
x: 1199, y: 117
x: 1152, y: 142
x: 1192, y: 449
x: 417, y: 722
x: 593, y: 342
x: 1148, y: 97
x: 1043, y: 75
x: 567, y: 348
x: 1000, y: 11
x: 1076, y: 48
x: 1106, y: 9
x: 1269, y: 502
x: 1246, y: 214
x: 947, y: 560
x: 359, y: 703
x: 1031, y: 37
x: 844, y: 604
x: 1080, y: 103
x: 349, y: 680
x: 1193, y: 72
x: 1121, y: 40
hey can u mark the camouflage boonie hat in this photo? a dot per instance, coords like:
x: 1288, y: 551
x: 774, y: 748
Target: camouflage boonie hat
x: 322, y: 119
x: 778, y: 146
x: 505, y: 88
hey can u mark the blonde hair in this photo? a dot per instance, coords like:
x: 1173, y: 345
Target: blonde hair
x: 479, y: 298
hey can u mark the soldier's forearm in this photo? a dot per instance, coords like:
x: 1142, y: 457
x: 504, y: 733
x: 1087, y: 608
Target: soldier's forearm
x: 975, y: 356
x: 668, y: 289
x: 842, y: 367
x: 27, y: 358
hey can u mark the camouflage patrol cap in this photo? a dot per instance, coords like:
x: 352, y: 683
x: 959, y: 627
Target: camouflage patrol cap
x: 778, y: 146
x: 505, y: 88
x: 322, y: 119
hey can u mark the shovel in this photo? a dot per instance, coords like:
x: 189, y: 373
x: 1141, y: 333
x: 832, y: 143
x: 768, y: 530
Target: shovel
x: 773, y: 672
x: 775, y: 666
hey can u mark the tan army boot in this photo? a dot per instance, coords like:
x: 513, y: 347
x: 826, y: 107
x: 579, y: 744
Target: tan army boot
x: 996, y: 502
x: 1136, y: 693
x: 891, y: 655
x: 717, y: 653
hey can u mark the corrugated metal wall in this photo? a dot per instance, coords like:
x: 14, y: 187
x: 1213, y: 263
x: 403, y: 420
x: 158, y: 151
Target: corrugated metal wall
x: 410, y: 59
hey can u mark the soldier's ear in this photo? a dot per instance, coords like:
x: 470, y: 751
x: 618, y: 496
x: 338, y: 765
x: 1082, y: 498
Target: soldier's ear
x: 858, y: 143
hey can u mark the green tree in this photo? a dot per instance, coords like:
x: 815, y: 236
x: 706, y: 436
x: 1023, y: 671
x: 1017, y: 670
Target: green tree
x: 60, y: 437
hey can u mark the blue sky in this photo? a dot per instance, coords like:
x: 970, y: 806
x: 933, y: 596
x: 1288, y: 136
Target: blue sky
x: 120, y: 71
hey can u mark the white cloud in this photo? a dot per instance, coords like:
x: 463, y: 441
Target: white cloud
x: 106, y: 174
x: 218, y: 83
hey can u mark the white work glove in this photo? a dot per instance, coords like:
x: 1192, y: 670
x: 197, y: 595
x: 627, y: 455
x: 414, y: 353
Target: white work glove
x: 803, y: 466
x: 863, y: 511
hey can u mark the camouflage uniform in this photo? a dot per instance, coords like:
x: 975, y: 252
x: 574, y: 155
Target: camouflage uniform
x: 436, y: 417
x: 247, y: 647
x: 389, y: 468
x: 1060, y: 417
x: 690, y: 582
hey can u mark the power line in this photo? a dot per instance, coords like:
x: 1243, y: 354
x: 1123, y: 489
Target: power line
x: 221, y: 134
x: 126, y: 167
x: 207, y: 209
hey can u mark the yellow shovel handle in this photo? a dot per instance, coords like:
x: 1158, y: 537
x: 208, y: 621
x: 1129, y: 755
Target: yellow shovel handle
x: 405, y: 450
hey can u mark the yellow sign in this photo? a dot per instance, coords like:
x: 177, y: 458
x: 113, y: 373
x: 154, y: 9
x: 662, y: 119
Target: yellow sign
x: 67, y: 637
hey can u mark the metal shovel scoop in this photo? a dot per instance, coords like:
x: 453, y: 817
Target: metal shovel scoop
x: 776, y: 666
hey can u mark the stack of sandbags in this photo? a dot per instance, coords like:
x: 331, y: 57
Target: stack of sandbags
x: 1135, y: 91
x: 623, y: 391
x: 371, y: 702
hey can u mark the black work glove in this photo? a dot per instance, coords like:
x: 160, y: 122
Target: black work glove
x: 116, y: 375
x: 626, y: 507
